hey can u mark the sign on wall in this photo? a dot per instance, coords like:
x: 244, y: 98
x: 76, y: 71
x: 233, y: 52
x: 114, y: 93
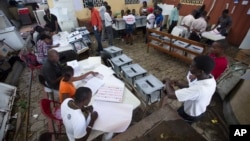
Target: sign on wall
x: 97, y: 3
x: 192, y: 2
x: 132, y: 1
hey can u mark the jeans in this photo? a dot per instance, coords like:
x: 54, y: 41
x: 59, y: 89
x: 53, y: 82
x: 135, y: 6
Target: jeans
x: 109, y: 31
x: 104, y: 32
x: 98, y: 39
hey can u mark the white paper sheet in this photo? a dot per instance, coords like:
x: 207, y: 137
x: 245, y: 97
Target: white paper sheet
x: 94, y: 84
x: 74, y: 64
x: 112, y: 117
x: 105, y: 71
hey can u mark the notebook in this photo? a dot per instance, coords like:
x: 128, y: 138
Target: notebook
x: 110, y: 93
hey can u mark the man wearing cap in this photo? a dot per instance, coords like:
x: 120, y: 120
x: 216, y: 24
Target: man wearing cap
x: 96, y: 23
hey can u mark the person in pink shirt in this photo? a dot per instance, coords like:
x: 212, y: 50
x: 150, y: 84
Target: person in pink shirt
x: 217, y: 54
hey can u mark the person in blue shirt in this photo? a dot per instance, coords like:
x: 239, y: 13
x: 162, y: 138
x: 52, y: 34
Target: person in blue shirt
x: 174, y: 16
x: 158, y: 19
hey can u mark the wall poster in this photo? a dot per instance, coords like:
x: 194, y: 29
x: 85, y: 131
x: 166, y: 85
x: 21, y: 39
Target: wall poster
x: 192, y: 2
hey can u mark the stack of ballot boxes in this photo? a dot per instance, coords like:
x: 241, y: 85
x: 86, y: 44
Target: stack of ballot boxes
x: 120, y: 61
x: 85, y: 35
x: 113, y: 51
x: 133, y: 72
x: 150, y: 88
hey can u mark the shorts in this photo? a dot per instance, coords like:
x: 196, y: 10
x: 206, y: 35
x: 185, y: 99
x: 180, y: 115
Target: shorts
x: 129, y: 28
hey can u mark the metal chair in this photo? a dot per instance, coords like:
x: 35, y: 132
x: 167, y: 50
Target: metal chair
x: 53, y: 113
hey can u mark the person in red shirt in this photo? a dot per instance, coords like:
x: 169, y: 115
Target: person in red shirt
x: 217, y: 54
x: 96, y: 23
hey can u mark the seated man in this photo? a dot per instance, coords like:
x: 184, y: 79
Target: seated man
x: 221, y: 62
x: 78, y: 119
x: 52, y: 70
x: 224, y: 23
x: 198, y: 93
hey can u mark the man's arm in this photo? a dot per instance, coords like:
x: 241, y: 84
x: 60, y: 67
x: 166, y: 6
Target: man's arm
x: 170, y: 90
x: 94, y: 116
x: 84, y: 76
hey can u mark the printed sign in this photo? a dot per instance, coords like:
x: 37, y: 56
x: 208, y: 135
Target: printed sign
x: 97, y: 3
x: 132, y: 1
x: 192, y: 2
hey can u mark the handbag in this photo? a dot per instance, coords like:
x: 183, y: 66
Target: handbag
x: 230, y: 78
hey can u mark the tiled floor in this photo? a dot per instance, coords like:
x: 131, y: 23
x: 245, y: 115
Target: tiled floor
x: 212, y: 126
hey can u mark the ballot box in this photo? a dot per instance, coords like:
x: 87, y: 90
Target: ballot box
x: 141, y: 21
x: 113, y: 51
x: 132, y: 72
x: 119, y: 24
x: 194, y: 48
x: 120, y: 61
x: 150, y: 88
x: 180, y: 44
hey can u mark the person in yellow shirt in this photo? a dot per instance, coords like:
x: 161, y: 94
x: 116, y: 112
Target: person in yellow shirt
x: 66, y: 88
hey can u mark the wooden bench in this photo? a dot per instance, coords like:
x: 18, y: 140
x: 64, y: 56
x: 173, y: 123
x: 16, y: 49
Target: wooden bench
x: 175, y: 46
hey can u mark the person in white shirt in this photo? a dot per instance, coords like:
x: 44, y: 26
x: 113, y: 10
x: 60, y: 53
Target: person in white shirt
x: 187, y: 20
x: 78, y: 118
x: 108, y: 25
x: 197, y: 27
x: 199, y: 91
x: 150, y: 21
x: 102, y: 11
x: 130, y: 27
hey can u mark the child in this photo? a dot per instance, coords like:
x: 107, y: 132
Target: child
x: 130, y: 26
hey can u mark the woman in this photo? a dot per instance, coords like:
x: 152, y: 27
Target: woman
x: 130, y: 27
x: 144, y: 9
x: 43, y: 45
x: 66, y: 88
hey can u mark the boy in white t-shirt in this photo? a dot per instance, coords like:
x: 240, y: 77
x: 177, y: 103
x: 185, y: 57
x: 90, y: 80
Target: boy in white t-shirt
x: 130, y: 27
x: 150, y: 21
x: 198, y: 93
x: 77, y: 118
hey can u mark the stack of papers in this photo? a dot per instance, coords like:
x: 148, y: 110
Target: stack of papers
x: 94, y: 84
x: 110, y: 93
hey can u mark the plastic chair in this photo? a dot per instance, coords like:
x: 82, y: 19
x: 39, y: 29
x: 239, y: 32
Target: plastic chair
x: 52, y: 113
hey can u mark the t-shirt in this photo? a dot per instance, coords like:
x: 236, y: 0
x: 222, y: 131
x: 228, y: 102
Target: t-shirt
x: 174, y: 16
x: 151, y: 20
x: 221, y: 64
x: 50, y: 22
x: 108, y: 19
x: 130, y: 19
x: 197, y: 96
x: 159, y: 19
x: 199, y: 24
x: 42, y: 49
x: 96, y: 19
x: 187, y: 20
x: 66, y: 88
x: 51, y: 72
x: 74, y: 121
x: 102, y: 11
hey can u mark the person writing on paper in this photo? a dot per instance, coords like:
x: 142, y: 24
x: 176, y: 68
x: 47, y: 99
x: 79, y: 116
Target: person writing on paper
x: 43, y: 45
x: 197, y: 94
x: 96, y: 23
x: 224, y: 23
x: 78, y: 118
x: 51, y: 22
x: 52, y: 70
x: 66, y: 88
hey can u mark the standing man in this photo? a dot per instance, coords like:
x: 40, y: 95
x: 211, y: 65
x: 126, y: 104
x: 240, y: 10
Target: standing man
x: 174, y: 17
x: 108, y: 25
x: 51, y: 22
x: 224, y: 23
x: 102, y: 11
x: 96, y: 23
x: 158, y: 19
x: 197, y: 94
x: 198, y: 26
